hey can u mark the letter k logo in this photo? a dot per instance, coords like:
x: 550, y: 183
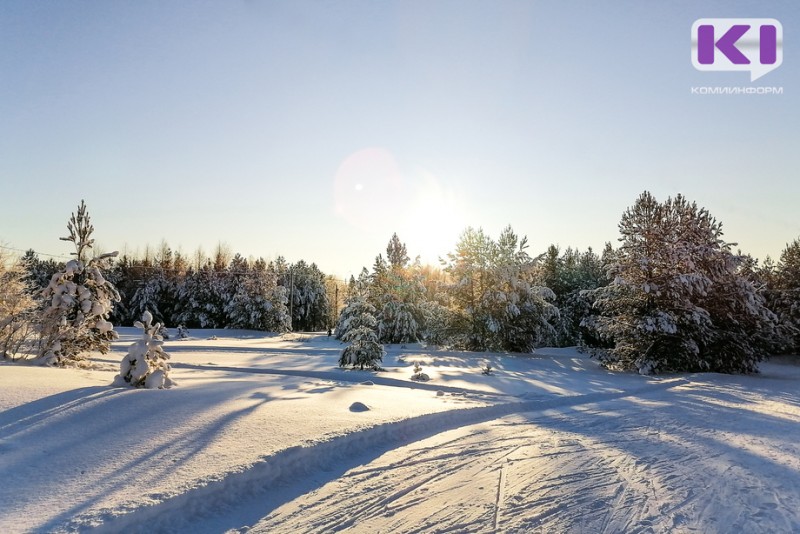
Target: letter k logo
x: 726, y: 44
x: 753, y: 45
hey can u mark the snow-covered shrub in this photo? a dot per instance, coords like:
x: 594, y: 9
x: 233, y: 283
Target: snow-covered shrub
x: 145, y: 364
x: 78, y: 301
x: 418, y: 375
x: 183, y: 332
x: 364, y: 349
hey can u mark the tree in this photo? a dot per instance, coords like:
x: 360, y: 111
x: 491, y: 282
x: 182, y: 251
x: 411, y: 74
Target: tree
x: 498, y: 306
x: 308, y: 296
x: 38, y: 272
x: 396, y: 292
x: 364, y: 349
x: 678, y: 301
x: 784, y: 296
x: 202, y: 298
x: 256, y: 300
x: 145, y: 364
x: 79, y: 300
x: 570, y: 274
x: 396, y: 253
x: 17, y: 308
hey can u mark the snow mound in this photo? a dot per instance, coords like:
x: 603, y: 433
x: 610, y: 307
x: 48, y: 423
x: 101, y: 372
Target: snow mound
x: 359, y: 407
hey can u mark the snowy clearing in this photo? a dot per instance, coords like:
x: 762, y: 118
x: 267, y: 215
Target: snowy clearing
x: 265, y: 433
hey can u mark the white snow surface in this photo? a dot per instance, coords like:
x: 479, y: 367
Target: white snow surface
x: 265, y: 433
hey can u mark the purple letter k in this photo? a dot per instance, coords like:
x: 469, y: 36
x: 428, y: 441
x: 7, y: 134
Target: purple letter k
x: 726, y: 44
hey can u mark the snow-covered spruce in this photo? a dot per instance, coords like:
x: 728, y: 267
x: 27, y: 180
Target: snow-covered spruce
x: 146, y: 365
x: 364, y: 349
x: 78, y: 300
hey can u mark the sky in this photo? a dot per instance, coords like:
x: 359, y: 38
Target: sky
x: 315, y: 130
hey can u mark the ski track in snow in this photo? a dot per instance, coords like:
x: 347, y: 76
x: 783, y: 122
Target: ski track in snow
x: 572, y: 469
x: 581, y: 451
x: 218, y: 505
x: 195, y: 509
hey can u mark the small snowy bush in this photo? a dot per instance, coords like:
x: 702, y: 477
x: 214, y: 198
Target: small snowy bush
x: 146, y: 365
x: 183, y: 332
x: 418, y: 374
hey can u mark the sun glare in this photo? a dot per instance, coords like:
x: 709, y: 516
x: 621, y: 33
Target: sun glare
x: 434, y: 221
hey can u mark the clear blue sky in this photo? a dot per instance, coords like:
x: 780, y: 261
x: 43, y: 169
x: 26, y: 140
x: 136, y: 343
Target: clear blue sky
x: 316, y: 129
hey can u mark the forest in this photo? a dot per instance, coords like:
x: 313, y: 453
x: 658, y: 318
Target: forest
x: 672, y: 295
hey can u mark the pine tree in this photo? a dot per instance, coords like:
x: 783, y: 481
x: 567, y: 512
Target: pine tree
x: 784, y: 297
x: 498, y: 306
x: 678, y: 301
x: 353, y: 307
x: 257, y: 301
x: 202, y: 298
x: 570, y: 274
x: 397, y: 293
x: 145, y: 364
x: 79, y: 299
x: 364, y: 349
x: 397, y: 253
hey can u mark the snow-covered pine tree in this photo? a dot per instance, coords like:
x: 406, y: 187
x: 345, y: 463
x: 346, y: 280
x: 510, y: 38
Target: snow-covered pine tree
x: 396, y: 253
x: 783, y: 297
x: 364, y: 349
x: 569, y: 275
x: 38, y: 272
x: 497, y: 304
x: 145, y: 364
x: 17, y: 308
x: 183, y: 332
x: 353, y: 306
x: 257, y: 301
x: 306, y: 289
x: 397, y: 293
x: 79, y: 300
x: 202, y: 298
x: 678, y: 301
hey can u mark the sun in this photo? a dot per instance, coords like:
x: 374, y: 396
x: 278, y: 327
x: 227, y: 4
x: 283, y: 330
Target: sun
x: 434, y: 221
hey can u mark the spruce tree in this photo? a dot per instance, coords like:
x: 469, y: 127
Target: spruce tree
x: 79, y: 300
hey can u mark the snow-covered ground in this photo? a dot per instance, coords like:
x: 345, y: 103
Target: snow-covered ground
x: 265, y: 433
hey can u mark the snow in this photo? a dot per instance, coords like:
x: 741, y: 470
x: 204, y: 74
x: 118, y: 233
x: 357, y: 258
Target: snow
x: 266, y: 433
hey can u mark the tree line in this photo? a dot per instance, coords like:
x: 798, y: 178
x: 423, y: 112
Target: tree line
x: 673, y: 295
